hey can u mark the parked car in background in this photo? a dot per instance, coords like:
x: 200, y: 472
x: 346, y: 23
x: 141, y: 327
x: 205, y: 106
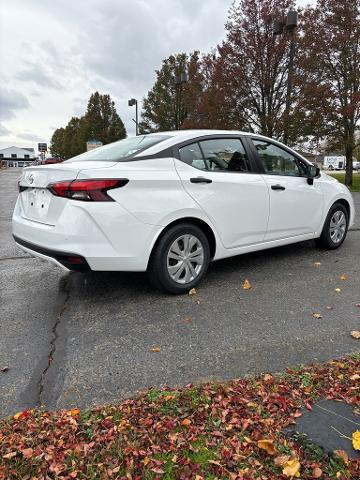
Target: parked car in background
x: 52, y: 160
x: 170, y: 203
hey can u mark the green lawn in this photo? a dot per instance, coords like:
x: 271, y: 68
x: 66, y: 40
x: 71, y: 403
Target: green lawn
x: 356, y: 180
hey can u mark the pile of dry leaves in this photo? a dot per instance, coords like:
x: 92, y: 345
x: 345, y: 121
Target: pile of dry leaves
x: 214, y: 431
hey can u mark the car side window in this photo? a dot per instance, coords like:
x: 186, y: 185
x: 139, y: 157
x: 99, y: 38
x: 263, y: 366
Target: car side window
x: 192, y: 155
x: 277, y: 161
x: 225, y: 154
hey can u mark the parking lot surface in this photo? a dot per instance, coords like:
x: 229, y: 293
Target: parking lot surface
x: 85, y: 339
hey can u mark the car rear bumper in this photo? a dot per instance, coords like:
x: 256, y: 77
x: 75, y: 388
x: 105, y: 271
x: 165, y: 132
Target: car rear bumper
x: 69, y: 261
x: 108, y: 239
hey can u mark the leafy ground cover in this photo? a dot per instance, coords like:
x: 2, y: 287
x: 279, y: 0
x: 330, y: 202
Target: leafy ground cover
x: 341, y: 177
x: 231, y: 431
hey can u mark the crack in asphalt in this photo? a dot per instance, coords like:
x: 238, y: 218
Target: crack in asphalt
x: 53, y: 343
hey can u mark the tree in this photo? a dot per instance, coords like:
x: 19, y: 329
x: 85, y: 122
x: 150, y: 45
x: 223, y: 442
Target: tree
x: 330, y: 61
x: 57, y: 147
x: 101, y: 121
x: 254, y: 66
x: 167, y: 104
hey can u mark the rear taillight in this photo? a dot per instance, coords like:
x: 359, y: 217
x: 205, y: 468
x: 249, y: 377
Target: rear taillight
x: 94, y: 190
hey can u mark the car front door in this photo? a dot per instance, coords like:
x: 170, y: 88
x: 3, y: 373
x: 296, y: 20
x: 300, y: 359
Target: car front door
x: 219, y: 176
x: 295, y: 206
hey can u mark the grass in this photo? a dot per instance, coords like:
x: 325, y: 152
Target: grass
x: 341, y: 178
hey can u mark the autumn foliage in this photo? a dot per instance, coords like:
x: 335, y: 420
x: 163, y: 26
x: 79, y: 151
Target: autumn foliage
x: 215, y: 431
x: 242, y: 83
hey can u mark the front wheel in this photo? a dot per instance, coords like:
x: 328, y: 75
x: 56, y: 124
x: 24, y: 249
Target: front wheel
x: 335, y: 228
x: 180, y: 259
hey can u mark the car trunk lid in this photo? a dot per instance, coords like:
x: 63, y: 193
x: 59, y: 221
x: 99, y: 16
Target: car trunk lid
x: 36, y: 201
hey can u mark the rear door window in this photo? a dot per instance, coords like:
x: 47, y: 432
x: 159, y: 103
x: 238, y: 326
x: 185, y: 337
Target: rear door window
x: 225, y: 154
x: 220, y: 154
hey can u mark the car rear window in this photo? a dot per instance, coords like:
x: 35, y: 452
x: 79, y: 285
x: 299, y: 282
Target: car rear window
x: 121, y: 150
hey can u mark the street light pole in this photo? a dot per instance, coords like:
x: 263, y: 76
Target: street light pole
x: 131, y: 103
x: 281, y: 28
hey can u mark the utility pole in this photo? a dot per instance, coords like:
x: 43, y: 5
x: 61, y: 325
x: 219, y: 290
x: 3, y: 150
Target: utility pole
x: 282, y: 28
x: 131, y: 103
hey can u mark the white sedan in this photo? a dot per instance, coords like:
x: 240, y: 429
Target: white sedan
x: 170, y: 203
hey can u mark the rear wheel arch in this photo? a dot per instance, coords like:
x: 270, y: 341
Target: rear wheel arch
x: 208, y: 231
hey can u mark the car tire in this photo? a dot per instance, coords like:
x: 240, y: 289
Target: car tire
x: 335, y: 228
x: 182, y: 247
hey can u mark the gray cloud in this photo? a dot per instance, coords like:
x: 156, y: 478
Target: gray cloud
x: 37, y: 74
x: 10, y: 102
x: 4, y: 131
x: 31, y: 137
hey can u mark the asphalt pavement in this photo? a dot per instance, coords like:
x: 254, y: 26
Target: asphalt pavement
x: 85, y: 339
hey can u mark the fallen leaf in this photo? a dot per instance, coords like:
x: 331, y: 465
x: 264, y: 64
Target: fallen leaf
x: 356, y: 376
x: 317, y: 315
x: 317, y: 472
x: 281, y: 460
x: 268, y: 377
x: 74, y: 412
x: 308, y: 406
x: 291, y: 468
x: 157, y: 470
x: 317, y: 264
x: 155, y: 349
x: 169, y: 397
x: 329, y: 307
x: 193, y: 291
x: 355, y: 334
x: 343, y: 277
x: 246, y: 285
x: 186, y: 422
x: 337, y: 290
x: 4, y: 369
x: 356, y: 440
x: 357, y: 304
x: 268, y: 446
x: 343, y: 455
x: 22, y: 415
x: 187, y: 320
x: 27, y: 452
x: 10, y: 455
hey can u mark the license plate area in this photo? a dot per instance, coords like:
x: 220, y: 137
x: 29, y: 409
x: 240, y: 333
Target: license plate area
x: 36, y: 203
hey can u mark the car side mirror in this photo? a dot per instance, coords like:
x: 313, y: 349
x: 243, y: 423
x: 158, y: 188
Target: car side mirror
x: 312, y: 172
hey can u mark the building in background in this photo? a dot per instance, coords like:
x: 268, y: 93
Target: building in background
x: 17, y: 157
x: 93, y: 143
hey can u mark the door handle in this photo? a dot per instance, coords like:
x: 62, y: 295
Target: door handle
x: 200, y: 180
x: 277, y: 187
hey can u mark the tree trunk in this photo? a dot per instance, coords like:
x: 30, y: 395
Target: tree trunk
x: 349, y: 152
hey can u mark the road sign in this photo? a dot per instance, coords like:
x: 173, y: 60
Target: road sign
x: 42, y: 147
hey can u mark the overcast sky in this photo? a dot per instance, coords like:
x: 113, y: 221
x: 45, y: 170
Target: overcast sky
x: 54, y: 54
